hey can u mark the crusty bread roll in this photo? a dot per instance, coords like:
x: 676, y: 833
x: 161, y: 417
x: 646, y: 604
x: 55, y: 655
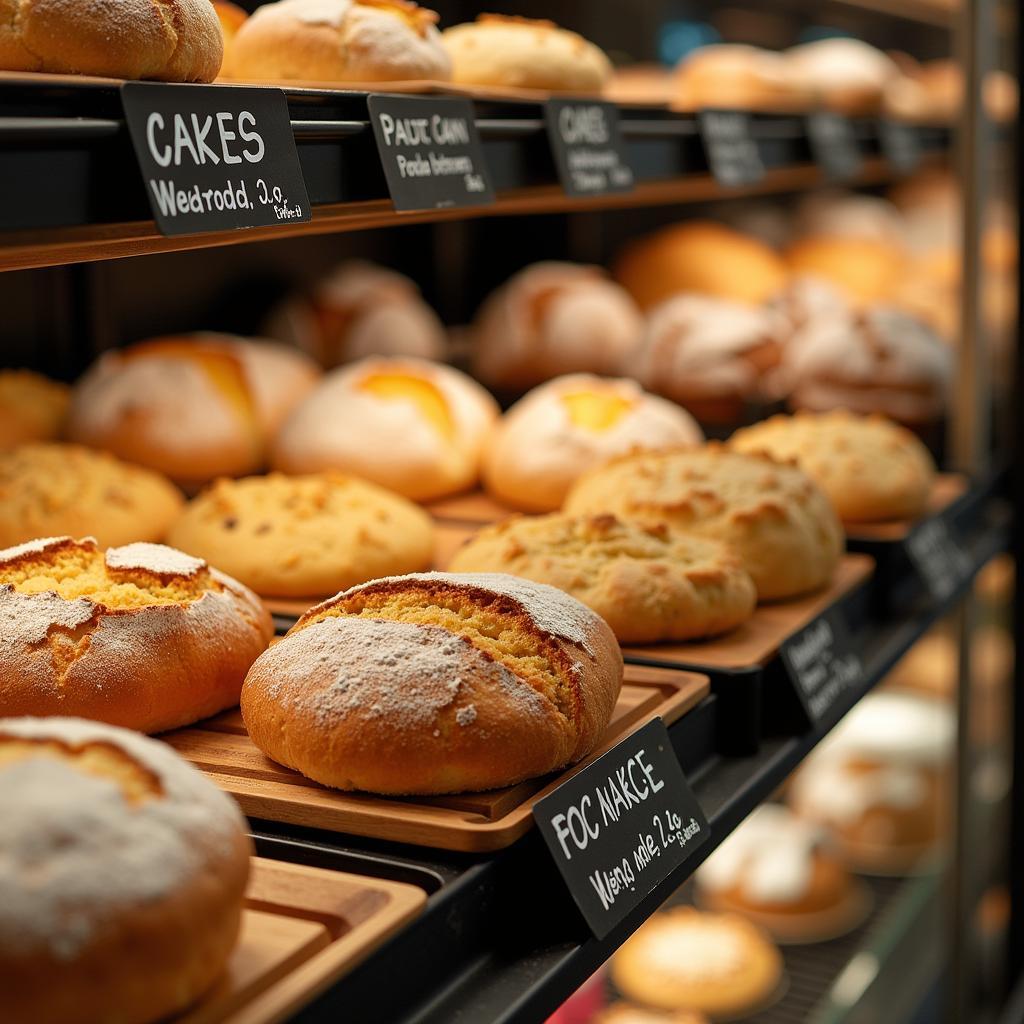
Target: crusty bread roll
x: 340, y: 41
x: 552, y: 318
x: 435, y: 683
x: 524, y: 54
x: 192, y: 407
x: 122, y: 872
x: 141, y: 636
x: 845, y: 74
x: 730, y: 76
x: 173, y: 41
x: 32, y: 407
x: 415, y: 427
x: 569, y: 425
x: 865, y: 270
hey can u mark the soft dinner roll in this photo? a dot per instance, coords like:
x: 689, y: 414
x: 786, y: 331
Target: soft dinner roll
x: 49, y: 490
x: 524, y: 54
x: 141, y: 636
x: 173, y: 41
x: 704, y: 257
x: 771, y: 514
x: 569, y: 425
x: 870, y: 468
x: 32, y: 407
x: 845, y: 74
x: 865, y: 270
x: 741, y: 77
x: 415, y: 427
x: 340, y: 41
x: 122, y: 872
x: 359, y: 310
x: 646, y: 582
x: 305, y: 536
x: 192, y: 407
x: 435, y: 683
x: 554, y: 318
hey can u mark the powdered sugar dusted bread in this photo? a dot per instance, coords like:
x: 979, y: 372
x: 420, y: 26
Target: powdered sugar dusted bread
x: 553, y: 318
x: 435, y: 683
x: 122, y: 872
x: 141, y: 636
x: 771, y: 514
x: 415, y: 427
x: 572, y: 424
x: 32, y: 407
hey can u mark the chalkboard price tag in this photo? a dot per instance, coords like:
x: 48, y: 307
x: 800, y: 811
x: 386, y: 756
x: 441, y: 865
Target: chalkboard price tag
x: 431, y: 153
x: 622, y: 825
x: 901, y: 145
x: 215, y: 158
x: 588, y: 148
x: 732, y: 151
x: 940, y: 561
x: 822, y: 662
x: 834, y: 144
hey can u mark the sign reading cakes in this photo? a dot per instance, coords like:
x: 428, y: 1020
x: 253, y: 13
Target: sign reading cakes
x: 215, y: 158
x: 431, y: 152
x: 622, y: 825
x: 588, y: 148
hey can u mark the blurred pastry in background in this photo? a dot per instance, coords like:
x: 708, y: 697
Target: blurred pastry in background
x: 622, y: 1012
x: 640, y: 83
x: 231, y: 17
x: 359, y: 310
x: 807, y: 299
x: 934, y: 91
x: 846, y: 75
x: 570, y: 425
x: 840, y: 214
x: 414, y: 427
x: 554, y: 318
x: 865, y: 270
x: 32, y: 407
x: 741, y: 77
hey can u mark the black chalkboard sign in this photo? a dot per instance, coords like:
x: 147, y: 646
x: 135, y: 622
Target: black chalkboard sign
x: 901, y: 145
x: 622, y: 825
x: 732, y: 151
x: 938, y: 557
x: 834, y: 144
x: 215, y: 158
x: 587, y: 147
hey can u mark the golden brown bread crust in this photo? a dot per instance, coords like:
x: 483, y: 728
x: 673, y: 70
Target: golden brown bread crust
x: 435, y: 683
x: 32, y: 407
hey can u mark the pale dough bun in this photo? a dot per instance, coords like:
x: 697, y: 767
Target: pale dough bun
x: 524, y: 54
x: 807, y: 299
x: 730, y: 76
x: 451, y: 683
x: 846, y: 75
x: 32, y: 407
x: 170, y: 41
x: 703, y: 257
x: 414, y: 427
x: 718, y: 964
x: 305, y: 536
x: 553, y: 318
x: 771, y: 514
x: 193, y: 407
x: 569, y: 425
x: 870, y: 468
x: 359, y: 310
x: 141, y: 636
x: 865, y: 270
x: 648, y: 583
x: 841, y: 214
x: 122, y: 873
x: 340, y: 41
x: 53, y: 490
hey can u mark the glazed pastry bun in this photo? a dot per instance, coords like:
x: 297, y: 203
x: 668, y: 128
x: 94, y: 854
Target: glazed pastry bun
x: 435, y: 683
x: 569, y: 425
x: 726, y: 76
x: 122, y: 872
x: 32, y: 407
x: 414, y: 427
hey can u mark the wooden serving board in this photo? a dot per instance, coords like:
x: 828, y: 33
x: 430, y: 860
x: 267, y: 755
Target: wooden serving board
x: 948, y: 488
x: 302, y: 929
x: 471, y: 822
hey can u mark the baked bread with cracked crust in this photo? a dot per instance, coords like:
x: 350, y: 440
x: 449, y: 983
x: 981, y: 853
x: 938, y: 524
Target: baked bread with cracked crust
x: 141, y: 636
x: 435, y: 683
x: 770, y: 513
x: 647, y: 582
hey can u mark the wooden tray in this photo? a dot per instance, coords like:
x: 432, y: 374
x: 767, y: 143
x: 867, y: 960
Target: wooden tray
x: 472, y: 822
x: 948, y: 488
x: 302, y: 929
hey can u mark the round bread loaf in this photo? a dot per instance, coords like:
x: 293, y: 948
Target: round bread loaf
x: 170, y: 41
x: 554, y: 318
x: 524, y: 54
x: 870, y: 468
x: 122, y: 872
x: 414, y: 427
x: 32, y: 407
x: 727, y: 76
x: 647, y: 583
x: 846, y: 74
x: 141, y: 636
x: 305, y: 536
x: 435, y: 683
x: 53, y: 490
x: 865, y: 270
x: 771, y: 514
x: 340, y: 41
x: 192, y: 407
x: 572, y: 424
x: 841, y: 214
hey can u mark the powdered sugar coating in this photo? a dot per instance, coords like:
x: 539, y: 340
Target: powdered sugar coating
x: 27, y: 619
x: 35, y: 547
x: 155, y: 558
